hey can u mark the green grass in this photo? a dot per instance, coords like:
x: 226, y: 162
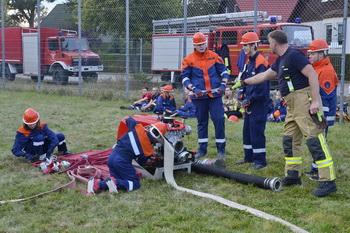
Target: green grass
x: 91, y: 122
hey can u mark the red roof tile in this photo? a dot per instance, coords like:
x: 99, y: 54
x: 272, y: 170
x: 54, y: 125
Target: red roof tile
x: 272, y: 7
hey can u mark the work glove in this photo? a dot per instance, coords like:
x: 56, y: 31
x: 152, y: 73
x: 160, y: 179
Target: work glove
x: 43, y: 157
x: 221, y: 89
x: 320, y: 121
x: 197, y: 92
x: 237, y: 85
x: 246, y: 103
x: 30, y: 157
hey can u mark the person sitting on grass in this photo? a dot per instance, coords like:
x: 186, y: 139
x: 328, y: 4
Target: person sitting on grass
x: 35, y: 140
x: 146, y: 97
x: 188, y: 110
x: 152, y: 103
x: 166, y: 102
x: 135, y: 144
x: 231, y: 105
x: 280, y: 109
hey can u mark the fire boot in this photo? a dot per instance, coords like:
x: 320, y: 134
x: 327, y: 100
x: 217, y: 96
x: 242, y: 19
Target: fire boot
x: 324, y: 188
x: 292, y: 178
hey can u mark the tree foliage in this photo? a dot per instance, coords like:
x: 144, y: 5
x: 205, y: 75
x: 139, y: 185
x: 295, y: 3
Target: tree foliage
x: 203, y: 7
x: 108, y: 16
x: 25, y: 11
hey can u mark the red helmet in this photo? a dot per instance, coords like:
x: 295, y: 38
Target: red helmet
x: 168, y: 88
x: 233, y: 118
x: 249, y: 38
x: 30, y: 116
x: 199, y: 38
x: 318, y: 45
x: 158, y: 129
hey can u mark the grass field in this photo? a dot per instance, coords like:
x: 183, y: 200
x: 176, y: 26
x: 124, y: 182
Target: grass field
x: 91, y: 124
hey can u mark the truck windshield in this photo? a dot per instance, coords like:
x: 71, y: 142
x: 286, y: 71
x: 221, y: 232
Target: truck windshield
x: 298, y: 36
x: 71, y: 44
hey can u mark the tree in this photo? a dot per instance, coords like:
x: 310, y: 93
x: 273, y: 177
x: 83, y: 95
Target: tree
x: 107, y: 17
x: 202, y: 7
x: 25, y: 10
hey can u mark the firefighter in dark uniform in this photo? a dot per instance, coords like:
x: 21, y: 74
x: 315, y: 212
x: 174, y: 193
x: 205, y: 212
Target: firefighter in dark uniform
x: 255, y: 104
x: 204, y: 70
x: 298, y: 83
x: 136, y: 144
x: 35, y: 140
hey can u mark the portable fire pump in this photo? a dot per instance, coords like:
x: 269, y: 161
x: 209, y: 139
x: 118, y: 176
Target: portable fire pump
x: 176, y: 130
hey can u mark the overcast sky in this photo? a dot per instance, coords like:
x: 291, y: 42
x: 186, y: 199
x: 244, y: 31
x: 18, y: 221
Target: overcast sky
x: 52, y: 5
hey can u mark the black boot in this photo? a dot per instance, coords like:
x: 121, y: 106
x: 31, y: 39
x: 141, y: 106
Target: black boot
x: 291, y: 179
x: 324, y: 188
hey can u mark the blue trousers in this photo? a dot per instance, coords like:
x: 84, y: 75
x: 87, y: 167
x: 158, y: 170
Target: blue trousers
x: 254, y: 141
x: 121, y: 168
x: 215, y: 107
x: 40, y: 144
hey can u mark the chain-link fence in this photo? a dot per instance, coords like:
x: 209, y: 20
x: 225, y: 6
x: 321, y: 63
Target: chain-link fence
x: 156, y: 40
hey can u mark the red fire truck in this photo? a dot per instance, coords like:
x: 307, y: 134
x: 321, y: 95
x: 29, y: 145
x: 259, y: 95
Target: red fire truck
x: 224, y: 33
x: 58, y: 54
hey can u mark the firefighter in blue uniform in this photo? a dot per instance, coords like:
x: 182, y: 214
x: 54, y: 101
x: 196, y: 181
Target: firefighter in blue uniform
x: 204, y: 70
x: 35, y: 140
x: 255, y: 104
x: 166, y: 102
x: 136, y: 144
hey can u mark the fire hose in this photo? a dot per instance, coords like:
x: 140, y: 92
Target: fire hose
x: 275, y: 184
x: 169, y: 177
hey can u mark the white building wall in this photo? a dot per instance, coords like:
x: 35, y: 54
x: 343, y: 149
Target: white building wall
x: 320, y: 33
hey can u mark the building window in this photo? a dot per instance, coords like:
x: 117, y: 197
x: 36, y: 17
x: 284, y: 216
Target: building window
x: 340, y: 34
x: 329, y: 34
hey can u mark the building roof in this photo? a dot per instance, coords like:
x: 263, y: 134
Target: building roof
x: 272, y: 7
x: 59, y: 17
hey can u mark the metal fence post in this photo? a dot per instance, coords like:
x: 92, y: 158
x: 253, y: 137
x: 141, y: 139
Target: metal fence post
x: 80, y: 89
x: 343, y: 60
x: 127, y: 65
x: 3, y: 44
x: 39, y: 44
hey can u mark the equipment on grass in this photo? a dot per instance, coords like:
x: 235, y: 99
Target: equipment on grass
x: 51, y: 165
x: 173, y: 131
x: 275, y: 184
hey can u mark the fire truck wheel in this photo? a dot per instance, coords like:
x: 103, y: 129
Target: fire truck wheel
x: 35, y: 78
x: 60, y: 76
x: 8, y: 75
x: 90, y: 77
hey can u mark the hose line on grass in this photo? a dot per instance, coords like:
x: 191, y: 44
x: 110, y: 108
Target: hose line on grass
x: 169, y: 177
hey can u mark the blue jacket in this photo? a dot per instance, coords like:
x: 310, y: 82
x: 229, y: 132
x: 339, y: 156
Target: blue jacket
x: 189, y: 110
x: 204, y: 71
x: 165, y: 103
x: 260, y: 92
x: 136, y: 143
x: 25, y: 136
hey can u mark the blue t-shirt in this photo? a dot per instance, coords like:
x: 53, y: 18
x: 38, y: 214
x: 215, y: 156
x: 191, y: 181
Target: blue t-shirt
x: 290, y: 64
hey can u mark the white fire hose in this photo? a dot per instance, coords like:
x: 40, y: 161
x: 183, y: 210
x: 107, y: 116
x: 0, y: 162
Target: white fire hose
x: 169, y: 177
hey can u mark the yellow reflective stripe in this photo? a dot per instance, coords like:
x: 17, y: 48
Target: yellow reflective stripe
x: 324, y: 163
x: 226, y: 61
x: 328, y: 157
x: 293, y: 160
x: 324, y: 145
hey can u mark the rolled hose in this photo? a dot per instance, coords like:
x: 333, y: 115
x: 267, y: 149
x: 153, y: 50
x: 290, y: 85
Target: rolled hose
x: 275, y: 184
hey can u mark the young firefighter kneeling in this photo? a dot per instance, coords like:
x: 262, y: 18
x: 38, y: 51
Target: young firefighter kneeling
x: 136, y: 144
